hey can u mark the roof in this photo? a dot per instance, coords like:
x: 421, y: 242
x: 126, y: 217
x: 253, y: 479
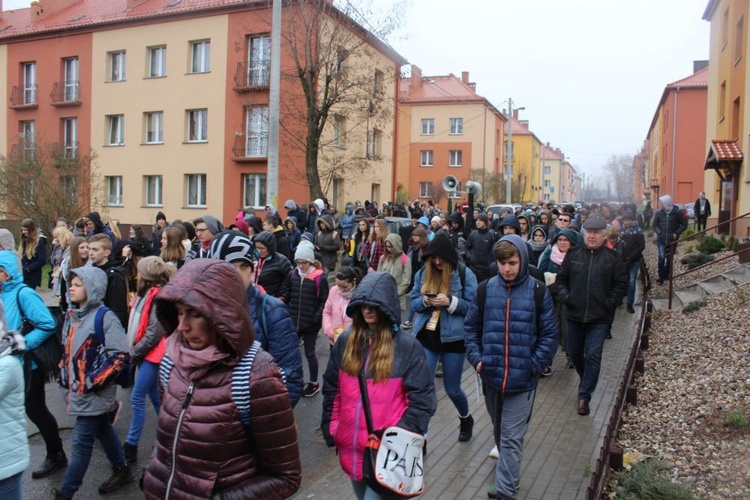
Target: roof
x: 724, y: 150
x: 518, y: 128
x: 696, y: 81
x: 448, y: 88
x: 549, y: 153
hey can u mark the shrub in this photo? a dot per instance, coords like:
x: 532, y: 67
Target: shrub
x: 732, y: 244
x: 710, y: 245
x: 647, y: 480
x: 687, y: 232
x: 696, y: 259
x: 737, y: 419
x: 693, y: 306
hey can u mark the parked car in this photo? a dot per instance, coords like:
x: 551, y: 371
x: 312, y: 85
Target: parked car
x: 499, y: 210
x: 687, y: 210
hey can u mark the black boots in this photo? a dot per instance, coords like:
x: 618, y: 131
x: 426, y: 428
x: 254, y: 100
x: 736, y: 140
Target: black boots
x: 120, y: 477
x: 466, y: 428
x: 59, y: 495
x: 131, y: 453
x: 51, y: 464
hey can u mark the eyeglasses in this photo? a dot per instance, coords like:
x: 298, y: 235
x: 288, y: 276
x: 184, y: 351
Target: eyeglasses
x: 301, y: 262
x: 564, y: 220
x: 201, y: 230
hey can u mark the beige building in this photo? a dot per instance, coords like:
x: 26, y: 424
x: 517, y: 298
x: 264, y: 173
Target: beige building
x: 3, y: 92
x: 551, y: 171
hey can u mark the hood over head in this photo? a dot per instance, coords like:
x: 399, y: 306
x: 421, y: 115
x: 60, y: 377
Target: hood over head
x: 241, y: 226
x: 290, y: 204
x: 377, y: 290
x: 195, y: 286
x: 267, y: 239
x: 327, y: 221
x: 213, y: 224
x: 95, y: 283
x: 7, y: 241
x: 524, y: 217
x: 442, y: 247
x: 97, y: 220
x: 254, y: 222
x: 319, y: 205
x: 9, y: 263
x: 666, y: 202
x: 454, y: 217
x: 568, y: 233
x: 349, y: 209
x: 398, y: 244
x: 523, y: 252
x: 293, y: 221
x: 510, y: 220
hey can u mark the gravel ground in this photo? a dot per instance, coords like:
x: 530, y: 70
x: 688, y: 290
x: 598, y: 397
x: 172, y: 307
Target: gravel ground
x: 697, y: 371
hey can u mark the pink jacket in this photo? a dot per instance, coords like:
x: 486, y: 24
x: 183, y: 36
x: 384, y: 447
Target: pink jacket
x: 334, y: 313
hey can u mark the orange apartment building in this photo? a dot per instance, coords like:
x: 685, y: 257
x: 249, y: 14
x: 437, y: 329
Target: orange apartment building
x: 445, y: 128
x: 173, y: 99
x: 676, y: 138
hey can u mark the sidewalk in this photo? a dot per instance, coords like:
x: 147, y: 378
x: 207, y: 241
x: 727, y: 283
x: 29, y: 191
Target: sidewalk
x: 561, y: 446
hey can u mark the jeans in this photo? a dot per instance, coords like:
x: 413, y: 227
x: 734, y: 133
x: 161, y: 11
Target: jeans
x: 663, y: 260
x: 85, y: 432
x: 39, y: 414
x: 364, y: 492
x: 511, y: 416
x: 146, y: 384
x: 10, y: 487
x: 561, y: 312
x: 453, y: 366
x: 585, y: 345
x: 632, y: 278
x: 312, y: 359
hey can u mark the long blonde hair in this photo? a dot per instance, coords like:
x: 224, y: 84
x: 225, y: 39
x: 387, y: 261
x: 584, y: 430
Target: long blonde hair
x: 114, y: 226
x: 63, y: 236
x: 31, y: 242
x: 380, y: 365
x: 435, y: 280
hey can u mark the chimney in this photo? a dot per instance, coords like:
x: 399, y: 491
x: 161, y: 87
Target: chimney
x: 525, y: 123
x: 699, y: 65
x: 416, y: 77
x: 515, y: 114
x: 465, y: 77
x: 42, y: 9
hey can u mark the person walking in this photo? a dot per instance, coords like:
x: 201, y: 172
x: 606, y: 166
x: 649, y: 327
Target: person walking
x: 33, y: 250
x: 396, y: 263
x: 702, y: 211
x: 669, y: 224
x: 479, y: 247
x: 592, y: 282
x: 634, y: 245
x: 648, y: 213
x: 398, y: 379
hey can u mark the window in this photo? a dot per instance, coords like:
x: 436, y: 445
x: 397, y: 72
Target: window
x: 116, y: 130
x: 70, y: 71
x: 457, y: 126
x: 547, y: 170
x: 338, y: 192
x: 201, y: 57
x: 259, y: 60
x: 197, y: 125
x: 377, y: 80
x: 455, y: 158
x: 153, y: 190
x: 425, y: 190
x: 339, y: 131
x: 114, y: 191
x: 196, y: 190
x: 375, y: 191
x: 373, y: 143
x: 157, y: 61
x: 547, y: 183
x: 28, y: 131
x: 254, y: 190
x: 29, y: 197
x: 725, y: 29
x: 427, y: 158
x: 154, y: 128
x: 256, y: 133
x: 428, y: 126
x: 70, y: 137
x: 117, y: 66
x: 29, y: 83
x: 738, y: 40
x: 341, y: 56
x: 722, y: 100
x: 70, y: 189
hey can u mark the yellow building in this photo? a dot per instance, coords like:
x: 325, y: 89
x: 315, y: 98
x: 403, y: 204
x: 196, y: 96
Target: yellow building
x: 3, y: 92
x: 526, y: 151
x: 727, y: 177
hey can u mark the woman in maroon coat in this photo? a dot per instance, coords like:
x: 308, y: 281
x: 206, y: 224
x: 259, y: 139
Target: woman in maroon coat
x: 202, y: 449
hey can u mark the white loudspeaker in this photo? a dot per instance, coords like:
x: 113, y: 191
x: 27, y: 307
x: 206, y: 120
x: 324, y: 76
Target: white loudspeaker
x: 450, y: 183
x: 474, y: 188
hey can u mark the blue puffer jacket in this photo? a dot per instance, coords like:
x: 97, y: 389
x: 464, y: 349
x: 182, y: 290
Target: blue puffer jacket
x: 275, y: 332
x: 451, y: 319
x: 512, y: 352
x: 347, y: 221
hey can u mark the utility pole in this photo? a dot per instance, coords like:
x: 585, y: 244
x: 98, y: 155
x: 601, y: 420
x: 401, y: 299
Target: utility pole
x: 272, y: 179
x: 508, y: 155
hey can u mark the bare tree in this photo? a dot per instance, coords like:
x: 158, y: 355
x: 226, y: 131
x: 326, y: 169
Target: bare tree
x: 45, y: 181
x: 619, y: 170
x: 493, y: 187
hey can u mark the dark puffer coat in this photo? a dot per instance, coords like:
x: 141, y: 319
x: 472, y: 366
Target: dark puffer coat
x: 307, y: 298
x: 198, y: 418
x: 325, y: 243
x: 271, y: 272
x: 478, y: 251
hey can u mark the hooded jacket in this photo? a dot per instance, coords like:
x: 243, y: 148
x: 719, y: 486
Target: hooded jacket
x: 292, y: 236
x: 407, y: 398
x: 398, y: 266
x: 528, y: 227
x: 88, y: 368
x: 327, y: 242
x: 8, y: 242
x: 669, y: 225
x: 537, y: 249
x: 634, y: 241
x: 307, y: 297
x: 478, y: 251
x: 100, y: 227
x: 347, y: 221
x: 271, y: 272
x: 546, y: 265
x: 199, y: 419
x: 297, y: 213
x: 512, y: 340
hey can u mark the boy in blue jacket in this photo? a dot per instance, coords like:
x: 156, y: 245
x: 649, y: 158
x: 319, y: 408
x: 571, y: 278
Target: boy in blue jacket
x: 88, y: 371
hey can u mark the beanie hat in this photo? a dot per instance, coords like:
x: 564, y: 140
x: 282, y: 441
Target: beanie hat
x: 241, y: 226
x: 305, y: 251
x: 232, y: 246
x: 435, y: 219
x: 255, y: 222
x: 153, y: 268
x: 441, y: 246
x: 306, y: 236
x: 483, y: 217
x: 290, y: 204
x: 161, y: 216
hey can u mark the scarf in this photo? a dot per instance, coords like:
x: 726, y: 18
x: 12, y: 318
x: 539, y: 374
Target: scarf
x: 556, y: 255
x: 196, y: 363
x: 537, y: 247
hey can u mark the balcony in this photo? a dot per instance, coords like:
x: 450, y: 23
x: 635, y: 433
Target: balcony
x: 23, y: 97
x: 250, y: 148
x: 65, y: 93
x: 255, y: 75
x: 24, y: 151
x: 70, y: 151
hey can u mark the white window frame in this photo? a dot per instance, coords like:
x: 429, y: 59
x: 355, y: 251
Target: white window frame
x: 259, y: 60
x: 455, y: 158
x: 547, y: 183
x: 29, y: 197
x: 256, y: 132
x: 339, y: 131
x: 427, y: 158
x: 457, y: 126
x: 195, y: 190
x: 197, y: 125
x: 157, y: 61
x: 259, y: 185
x: 28, y: 130
x: 70, y: 71
x: 117, y: 66
x: 114, y: 191
x: 374, y: 140
x: 428, y: 126
x: 153, y: 190
x: 115, y: 130
x: 69, y: 185
x: 154, y: 127
x: 29, y: 82
x: 200, y: 56
x: 425, y: 189
x: 547, y: 170
x: 70, y: 137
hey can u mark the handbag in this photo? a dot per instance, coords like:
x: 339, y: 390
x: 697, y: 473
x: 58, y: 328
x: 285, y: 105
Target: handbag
x: 393, y: 459
x: 48, y: 354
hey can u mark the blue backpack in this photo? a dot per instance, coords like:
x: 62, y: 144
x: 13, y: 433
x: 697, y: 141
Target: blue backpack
x: 126, y: 377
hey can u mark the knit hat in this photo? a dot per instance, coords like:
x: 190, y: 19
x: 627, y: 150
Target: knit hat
x: 441, y: 246
x: 290, y: 204
x: 305, y: 251
x: 435, y: 219
x: 595, y: 224
x: 232, y: 246
x: 153, y: 268
x: 241, y: 226
x: 307, y: 236
x: 160, y: 216
x: 483, y: 217
x: 255, y: 222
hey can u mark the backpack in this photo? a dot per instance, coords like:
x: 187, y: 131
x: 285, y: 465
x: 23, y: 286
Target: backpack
x: 126, y: 377
x: 240, y: 382
x: 539, y: 289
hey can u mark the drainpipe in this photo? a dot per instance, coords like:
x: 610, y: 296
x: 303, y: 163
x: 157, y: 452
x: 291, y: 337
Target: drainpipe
x: 674, y: 137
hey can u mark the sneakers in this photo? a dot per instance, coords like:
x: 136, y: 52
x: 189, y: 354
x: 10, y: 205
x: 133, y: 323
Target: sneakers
x: 466, y: 428
x: 631, y: 310
x: 494, y: 453
x: 547, y: 371
x: 59, y: 495
x: 569, y: 363
x: 406, y: 325
x: 492, y: 491
x: 131, y: 453
x: 50, y: 465
x: 311, y: 390
x: 115, y: 412
x: 120, y: 477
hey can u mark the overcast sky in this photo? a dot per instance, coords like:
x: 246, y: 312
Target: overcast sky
x: 589, y: 72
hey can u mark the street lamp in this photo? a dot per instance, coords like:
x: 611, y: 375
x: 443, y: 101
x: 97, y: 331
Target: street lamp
x: 508, y: 161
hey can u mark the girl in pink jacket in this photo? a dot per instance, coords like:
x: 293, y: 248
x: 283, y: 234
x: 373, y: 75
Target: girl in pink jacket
x: 335, y: 320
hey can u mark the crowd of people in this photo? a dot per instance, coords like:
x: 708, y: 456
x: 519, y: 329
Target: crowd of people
x: 223, y: 371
